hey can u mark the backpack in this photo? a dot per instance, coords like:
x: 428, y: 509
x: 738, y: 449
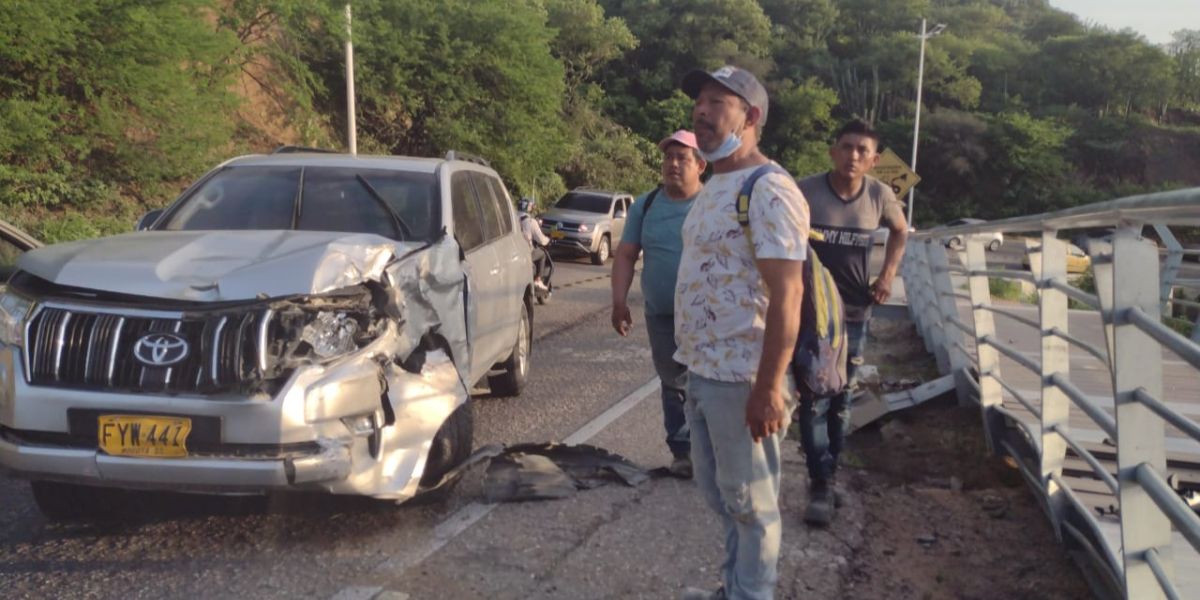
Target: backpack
x: 646, y: 205
x: 819, y: 359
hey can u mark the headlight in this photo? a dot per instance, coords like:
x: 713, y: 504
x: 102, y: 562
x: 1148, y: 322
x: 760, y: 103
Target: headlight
x: 13, y: 311
x: 583, y: 228
x: 331, y: 334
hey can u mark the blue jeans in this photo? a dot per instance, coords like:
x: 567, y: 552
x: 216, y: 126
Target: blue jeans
x: 661, y: 329
x: 823, y: 422
x: 740, y: 482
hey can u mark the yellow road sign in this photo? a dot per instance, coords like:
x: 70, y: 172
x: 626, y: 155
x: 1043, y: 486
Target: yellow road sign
x: 893, y: 171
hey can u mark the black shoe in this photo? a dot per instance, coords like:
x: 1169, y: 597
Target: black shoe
x: 681, y: 467
x: 821, y: 505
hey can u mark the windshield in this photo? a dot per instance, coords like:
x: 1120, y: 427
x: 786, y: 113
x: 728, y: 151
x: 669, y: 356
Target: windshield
x: 585, y: 202
x: 394, y: 204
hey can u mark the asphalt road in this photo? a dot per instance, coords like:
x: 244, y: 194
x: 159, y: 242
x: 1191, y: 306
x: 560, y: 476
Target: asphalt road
x: 310, y: 545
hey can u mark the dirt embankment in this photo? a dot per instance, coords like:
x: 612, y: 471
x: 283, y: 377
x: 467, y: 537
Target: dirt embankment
x: 944, y: 519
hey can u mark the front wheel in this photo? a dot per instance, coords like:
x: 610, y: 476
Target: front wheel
x: 514, y: 370
x: 955, y: 243
x: 993, y: 245
x: 451, y: 445
x: 600, y: 256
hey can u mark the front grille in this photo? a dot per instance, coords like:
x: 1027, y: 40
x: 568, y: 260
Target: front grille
x: 85, y: 349
x: 548, y: 225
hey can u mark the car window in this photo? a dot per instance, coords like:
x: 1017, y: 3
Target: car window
x: 348, y: 199
x: 342, y: 200
x: 240, y: 198
x: 586, y: 202
x: 468, y: 222
x: 489, y: 207
x: 503, y: 202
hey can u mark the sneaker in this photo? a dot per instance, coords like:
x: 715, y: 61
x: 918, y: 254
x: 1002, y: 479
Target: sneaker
x: 681, y: 467
x: 821, y: 505
x: 541, y: 287
x: 699, y: 594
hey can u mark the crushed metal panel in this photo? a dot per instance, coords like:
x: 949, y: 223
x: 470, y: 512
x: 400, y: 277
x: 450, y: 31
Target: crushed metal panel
x: 421, y: 402
x: 427, y: 292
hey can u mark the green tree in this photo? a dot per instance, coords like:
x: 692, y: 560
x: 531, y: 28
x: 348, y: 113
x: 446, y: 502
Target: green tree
x: 102, y: 100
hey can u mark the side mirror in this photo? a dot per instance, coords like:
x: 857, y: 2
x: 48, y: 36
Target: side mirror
x: 619, y: 214
x: 148, y: 219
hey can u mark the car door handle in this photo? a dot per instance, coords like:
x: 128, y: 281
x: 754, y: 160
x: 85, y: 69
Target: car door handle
x: 515, y: 257
x: 494, y: 271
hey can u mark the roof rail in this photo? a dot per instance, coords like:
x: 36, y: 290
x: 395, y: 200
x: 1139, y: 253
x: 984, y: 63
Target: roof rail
x: 302, y: 149
x: 456, y: 155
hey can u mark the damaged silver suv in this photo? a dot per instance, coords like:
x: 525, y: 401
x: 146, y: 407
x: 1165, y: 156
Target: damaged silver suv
x: 297, y: 321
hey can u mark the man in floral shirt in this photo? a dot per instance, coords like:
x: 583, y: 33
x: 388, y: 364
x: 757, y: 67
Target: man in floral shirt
x: 737, y: 314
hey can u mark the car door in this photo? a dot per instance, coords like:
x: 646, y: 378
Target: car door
x: 620, y: 212
x: 511, y: 249
x: 13, y: 243
x: 497, y: 225
x: 482, y: 270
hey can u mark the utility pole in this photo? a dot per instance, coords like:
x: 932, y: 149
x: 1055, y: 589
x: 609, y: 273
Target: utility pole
x: 351, y: 127
x: 917, y: 121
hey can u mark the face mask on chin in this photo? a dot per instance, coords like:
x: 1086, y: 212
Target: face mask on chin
x: 731, y: 144
x: 727, y: 148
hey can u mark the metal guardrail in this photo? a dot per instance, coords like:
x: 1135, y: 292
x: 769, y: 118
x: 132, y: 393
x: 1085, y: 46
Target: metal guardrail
x: 1143, y: 565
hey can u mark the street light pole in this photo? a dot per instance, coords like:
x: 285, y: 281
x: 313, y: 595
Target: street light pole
x: 917, y: 121
x: 351, y: 126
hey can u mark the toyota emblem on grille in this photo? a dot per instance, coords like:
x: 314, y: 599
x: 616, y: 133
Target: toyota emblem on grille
x: 160, y: 349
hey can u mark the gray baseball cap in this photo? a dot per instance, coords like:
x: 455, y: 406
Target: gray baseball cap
x: 737, y: 80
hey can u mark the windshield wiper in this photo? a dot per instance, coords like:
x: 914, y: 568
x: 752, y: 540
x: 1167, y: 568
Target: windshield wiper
x: 399, y: 222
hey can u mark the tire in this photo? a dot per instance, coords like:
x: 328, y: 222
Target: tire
x: 993, y: 245
x: 515, y: 368
x: 451, y: 445
x: 68, y: 501
x: 600, y: 256
x: 954, y: 243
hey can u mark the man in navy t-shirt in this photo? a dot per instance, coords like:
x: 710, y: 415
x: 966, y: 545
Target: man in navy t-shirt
x: 654, y: 228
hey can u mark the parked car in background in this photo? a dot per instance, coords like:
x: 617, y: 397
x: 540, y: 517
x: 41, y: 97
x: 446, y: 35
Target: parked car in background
x: 995, y: 239
x: 295, y: 321
x: 586, y: 221
x: 13, y: 243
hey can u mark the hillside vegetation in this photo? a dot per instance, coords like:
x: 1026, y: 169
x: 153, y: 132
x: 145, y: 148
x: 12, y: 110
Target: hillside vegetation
x: 109, y: 107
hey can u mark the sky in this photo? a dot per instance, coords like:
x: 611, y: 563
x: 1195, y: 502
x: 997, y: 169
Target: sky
x: 1155, y: 19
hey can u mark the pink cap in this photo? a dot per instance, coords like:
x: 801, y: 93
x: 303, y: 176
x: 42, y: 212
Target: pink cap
x: 682, y: 136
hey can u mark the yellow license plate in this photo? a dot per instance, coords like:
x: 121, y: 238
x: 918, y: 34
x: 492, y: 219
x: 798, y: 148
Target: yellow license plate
x: 136, y: 435
x: 557, y: 235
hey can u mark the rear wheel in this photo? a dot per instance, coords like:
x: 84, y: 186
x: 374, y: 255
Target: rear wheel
x: 955, y: 243
x: 600, y: 256
x: 451, y: 445
x: 514, y: 370
x: 993, y: 245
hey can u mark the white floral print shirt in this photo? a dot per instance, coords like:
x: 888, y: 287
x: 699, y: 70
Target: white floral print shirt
x: 720, y: 298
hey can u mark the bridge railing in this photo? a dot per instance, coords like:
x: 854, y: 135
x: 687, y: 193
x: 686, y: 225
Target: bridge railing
x: 1133, y: 281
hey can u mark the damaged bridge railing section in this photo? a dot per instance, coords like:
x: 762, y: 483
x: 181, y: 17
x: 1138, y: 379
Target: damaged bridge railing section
x: 1135, y: 261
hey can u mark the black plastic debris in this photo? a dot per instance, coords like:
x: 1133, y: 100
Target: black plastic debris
x: 548, y: 471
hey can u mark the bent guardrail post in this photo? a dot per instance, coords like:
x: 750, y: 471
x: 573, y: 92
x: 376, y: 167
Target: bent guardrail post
x: 987, y: 358
x: 1056, y: 359
x: 1140, y: 432
x: 1170, y: 267
x: 952, y: 336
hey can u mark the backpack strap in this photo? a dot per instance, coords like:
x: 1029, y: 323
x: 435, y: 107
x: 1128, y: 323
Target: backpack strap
x: 743, y: 201
x: 649, y: 199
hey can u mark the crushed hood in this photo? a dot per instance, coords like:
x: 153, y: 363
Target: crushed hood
x: 213, y: 266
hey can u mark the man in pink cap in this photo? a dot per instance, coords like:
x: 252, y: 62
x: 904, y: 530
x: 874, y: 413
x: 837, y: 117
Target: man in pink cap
x: 654, y: 226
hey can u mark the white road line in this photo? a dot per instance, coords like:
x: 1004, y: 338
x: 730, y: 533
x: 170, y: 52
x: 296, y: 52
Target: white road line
x: 465, y: 517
